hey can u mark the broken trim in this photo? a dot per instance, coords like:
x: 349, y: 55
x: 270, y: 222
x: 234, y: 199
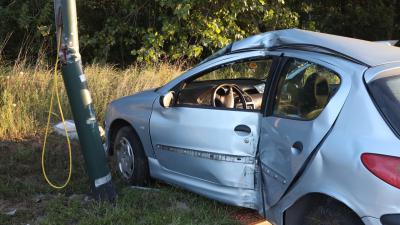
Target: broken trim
x: 272, y: 173
x: 208, y: 155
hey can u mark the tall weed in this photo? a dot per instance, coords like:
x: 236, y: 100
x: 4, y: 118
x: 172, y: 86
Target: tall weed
x: 25, y: 93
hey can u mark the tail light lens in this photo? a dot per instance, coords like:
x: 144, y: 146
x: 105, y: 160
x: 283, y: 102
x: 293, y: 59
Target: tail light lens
x: 387, y: 168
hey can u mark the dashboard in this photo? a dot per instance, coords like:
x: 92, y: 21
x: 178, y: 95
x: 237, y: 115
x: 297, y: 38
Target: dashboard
x: 201, y: 92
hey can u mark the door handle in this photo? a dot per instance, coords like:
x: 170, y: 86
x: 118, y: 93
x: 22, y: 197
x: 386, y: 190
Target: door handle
x: 297, y: 147
x: 243, y: 128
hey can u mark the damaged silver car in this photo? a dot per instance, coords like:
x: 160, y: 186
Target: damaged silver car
x: 302, y: 126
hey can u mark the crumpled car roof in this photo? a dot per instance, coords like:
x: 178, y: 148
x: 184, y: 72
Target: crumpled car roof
x: 367, y: 52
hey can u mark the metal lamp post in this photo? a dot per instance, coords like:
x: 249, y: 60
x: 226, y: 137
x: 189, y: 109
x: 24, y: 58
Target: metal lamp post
x: 81, y: 101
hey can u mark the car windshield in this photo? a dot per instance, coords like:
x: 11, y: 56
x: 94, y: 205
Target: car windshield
x: 386, y: 93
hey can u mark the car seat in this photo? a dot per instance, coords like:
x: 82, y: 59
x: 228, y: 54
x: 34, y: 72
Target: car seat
x: 315, y: 96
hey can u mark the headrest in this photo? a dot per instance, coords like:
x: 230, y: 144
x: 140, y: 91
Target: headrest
x: 316, y: 91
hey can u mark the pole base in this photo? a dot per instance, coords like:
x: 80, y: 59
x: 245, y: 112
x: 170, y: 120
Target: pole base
x: 105, y: 192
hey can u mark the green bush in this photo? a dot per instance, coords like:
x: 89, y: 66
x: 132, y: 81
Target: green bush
x: 124, y: 31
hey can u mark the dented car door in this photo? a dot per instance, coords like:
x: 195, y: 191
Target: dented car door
x: 304, y: 106
x: 217, y: 146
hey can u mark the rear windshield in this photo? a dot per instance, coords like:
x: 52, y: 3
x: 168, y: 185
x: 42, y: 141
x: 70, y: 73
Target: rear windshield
x: 386, y: 93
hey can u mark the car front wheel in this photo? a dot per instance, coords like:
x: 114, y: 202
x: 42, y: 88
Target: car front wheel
x: 130, y: 159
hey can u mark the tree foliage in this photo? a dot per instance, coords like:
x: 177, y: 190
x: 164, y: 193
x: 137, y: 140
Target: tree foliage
x: 122, y: 31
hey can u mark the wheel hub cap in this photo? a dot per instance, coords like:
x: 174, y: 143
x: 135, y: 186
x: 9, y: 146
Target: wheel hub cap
x: 126, y: 158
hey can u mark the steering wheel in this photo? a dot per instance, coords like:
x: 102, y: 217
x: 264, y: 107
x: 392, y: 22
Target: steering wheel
x: 223, y: 96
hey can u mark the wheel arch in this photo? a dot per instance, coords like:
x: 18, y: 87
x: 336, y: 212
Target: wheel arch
x: 293, y: 215
x: 113, y: 130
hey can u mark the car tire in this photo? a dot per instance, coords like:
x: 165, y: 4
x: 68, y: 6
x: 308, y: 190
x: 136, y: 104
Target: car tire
x: 331, y: 212
x: 130, y: 159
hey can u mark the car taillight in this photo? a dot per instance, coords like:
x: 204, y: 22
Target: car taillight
x: 387, y: 168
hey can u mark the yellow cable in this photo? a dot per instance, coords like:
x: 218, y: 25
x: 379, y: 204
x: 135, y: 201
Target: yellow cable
x: 56, y: 92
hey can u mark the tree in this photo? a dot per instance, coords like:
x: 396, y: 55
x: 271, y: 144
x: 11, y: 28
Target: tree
x: 123, y: 31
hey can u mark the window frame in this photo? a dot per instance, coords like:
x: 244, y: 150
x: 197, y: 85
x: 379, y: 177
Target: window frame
x: 278, y: 75
x: 178, y: 87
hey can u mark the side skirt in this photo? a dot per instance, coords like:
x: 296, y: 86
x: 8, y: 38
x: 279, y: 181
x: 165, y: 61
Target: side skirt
x: 230, y: 195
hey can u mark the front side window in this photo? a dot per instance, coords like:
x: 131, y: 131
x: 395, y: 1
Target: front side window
x: 235, y: 86
x: 304, y: 89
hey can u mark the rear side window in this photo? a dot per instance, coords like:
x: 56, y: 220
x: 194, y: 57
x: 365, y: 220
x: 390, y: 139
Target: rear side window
x: 304, y: 90
x: 386, y: 93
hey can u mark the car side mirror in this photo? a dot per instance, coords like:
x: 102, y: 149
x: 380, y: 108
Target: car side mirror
x: 167, y: 100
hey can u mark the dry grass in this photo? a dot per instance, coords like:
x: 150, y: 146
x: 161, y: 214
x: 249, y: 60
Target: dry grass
x: 25, y: 93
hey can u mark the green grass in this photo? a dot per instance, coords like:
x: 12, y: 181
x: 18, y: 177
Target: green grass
x: 167, y: 206
x: 22, y: 187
